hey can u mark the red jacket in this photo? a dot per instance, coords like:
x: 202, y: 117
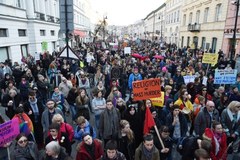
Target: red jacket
x: 82, y: 153
x: 222, y: 153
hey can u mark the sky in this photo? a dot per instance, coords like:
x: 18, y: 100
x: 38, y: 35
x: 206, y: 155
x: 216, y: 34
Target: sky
x: 125, y: 12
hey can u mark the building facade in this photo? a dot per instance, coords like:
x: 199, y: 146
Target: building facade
x: 228, y: 29
x: 25, y: 25
x: 172, y: 21
x: 203, y: 24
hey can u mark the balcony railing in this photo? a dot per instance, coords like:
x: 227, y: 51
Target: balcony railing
x: 194, y: 27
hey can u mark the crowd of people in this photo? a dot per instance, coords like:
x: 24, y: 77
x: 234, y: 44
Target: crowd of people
x: 196, y: 121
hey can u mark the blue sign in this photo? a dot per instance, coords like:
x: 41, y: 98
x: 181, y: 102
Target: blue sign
x: 225, y: 76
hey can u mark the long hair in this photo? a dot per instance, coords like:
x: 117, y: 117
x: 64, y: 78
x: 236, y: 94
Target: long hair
x: 1, y: 120
x: 130, y: 134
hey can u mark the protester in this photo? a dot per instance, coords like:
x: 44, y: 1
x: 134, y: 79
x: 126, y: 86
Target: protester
x: 55, y: 152
x: 147, y: 149
x: 111, y: 152
x: 4, y: 149
x: 82, y: 104
x: 89, y: 148
x: 24, y: 149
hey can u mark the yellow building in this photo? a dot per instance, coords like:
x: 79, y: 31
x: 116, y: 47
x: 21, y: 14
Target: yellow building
x: 202, y: 24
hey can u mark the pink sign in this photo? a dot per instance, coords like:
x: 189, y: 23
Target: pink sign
x: 9, y: 131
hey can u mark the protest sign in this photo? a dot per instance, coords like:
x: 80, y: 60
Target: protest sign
x: 188, y: 79
x: 44, y: 45
x: 222, y: 76
x: 127, y: 50
x: 37, y: 56
x: 146, y: 89
x: 204, y: 81
x: 9, y: 131
x: 210, y: 58
x: 159, y: 101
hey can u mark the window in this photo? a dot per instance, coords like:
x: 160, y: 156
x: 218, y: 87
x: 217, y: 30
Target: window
x: 190, y: 18
x: 182, y: 42
x: 4, y: 54
x: 42, y: 32
x: 203, y: 43
x: 22, y: 33
x: 214, y: 44
x: 3, y: 32
x: 24, y: 50
x: 188, y: 41
x: 178, y: 15
x: 184, y: 20
x: 205, y: 19
x: 175, y: 16
x: 218, y: 12
x: 52, y: 33
x: 197, y: 16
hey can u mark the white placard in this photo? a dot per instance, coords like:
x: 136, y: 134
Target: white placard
x: 127, y: 50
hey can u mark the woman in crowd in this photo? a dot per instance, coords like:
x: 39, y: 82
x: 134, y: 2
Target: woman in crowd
x: 24, y: 149
x: 72, y: 95
x: 230, y: 119
x: 121, y: 106
x: 114, y: 95
x: 83, y: 126
x: 61, y: 137
x: 64, y: 127
x: 82, y: 104
x: 55, y: 152
x: 89, y: 148
x: 126, y: 144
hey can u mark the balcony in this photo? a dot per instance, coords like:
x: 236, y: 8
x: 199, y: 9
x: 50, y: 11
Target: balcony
x: 50, y: 18
x: 194, y: 27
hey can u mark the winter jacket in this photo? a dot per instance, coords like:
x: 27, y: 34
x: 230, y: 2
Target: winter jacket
x: 19, y: 153
x: 139, y: 155
x: 133, y: 78
x: 204, y: 120
x: 87, y: 129
x: 83, y: 154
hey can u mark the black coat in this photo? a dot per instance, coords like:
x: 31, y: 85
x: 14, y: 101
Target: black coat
x: 37, y: 125
x: 10, y: 110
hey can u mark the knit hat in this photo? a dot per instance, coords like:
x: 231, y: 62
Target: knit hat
x: 207, y: 134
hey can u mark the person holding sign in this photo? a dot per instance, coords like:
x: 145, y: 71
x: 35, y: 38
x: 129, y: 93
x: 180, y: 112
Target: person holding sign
x: 4, y: 149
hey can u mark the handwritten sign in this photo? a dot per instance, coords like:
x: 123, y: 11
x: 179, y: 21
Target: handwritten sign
x: 188, y: 79
x: 44, y: 46
x: 159, y: 101
x: 127, y: 50
x: 146, y: 89
x: 9, y: 131
x: 210, y: 58
x: 225, y: 76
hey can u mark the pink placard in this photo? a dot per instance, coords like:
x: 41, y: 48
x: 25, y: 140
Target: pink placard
x: 9, y: 131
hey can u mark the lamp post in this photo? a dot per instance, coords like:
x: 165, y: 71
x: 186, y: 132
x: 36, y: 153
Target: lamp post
x: 161, y: 27
x: 234, y: 32
x: 153, y: 26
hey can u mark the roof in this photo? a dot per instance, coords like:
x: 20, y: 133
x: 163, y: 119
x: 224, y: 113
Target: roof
x: 163, y: 5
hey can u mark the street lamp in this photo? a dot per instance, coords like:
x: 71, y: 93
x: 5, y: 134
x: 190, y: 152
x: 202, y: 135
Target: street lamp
x: 236, y: 2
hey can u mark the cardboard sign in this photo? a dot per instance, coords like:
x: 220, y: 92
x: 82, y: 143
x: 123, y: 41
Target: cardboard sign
x: 222, y: 76
x: 37, y: 56
x: 44, y: 46
x: 9, y: 131
x: 188, y: 79
x: 210, y: 58
x: 127, y: 50
x: 159, y: 101
x: 146, y: 89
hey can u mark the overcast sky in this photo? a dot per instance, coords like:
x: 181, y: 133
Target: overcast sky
x: 125, y: 12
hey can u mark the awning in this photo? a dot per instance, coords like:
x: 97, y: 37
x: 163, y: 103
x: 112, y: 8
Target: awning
x: 79, y: 33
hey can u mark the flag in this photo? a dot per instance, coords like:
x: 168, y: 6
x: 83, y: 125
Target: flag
x: 148, y: 122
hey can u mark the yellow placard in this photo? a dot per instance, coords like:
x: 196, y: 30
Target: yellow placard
x: 159, y: 101
x: 210, y: 58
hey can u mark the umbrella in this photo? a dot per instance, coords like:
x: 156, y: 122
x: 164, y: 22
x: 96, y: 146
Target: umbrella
x: 136, y: 55
x: 158, y: 57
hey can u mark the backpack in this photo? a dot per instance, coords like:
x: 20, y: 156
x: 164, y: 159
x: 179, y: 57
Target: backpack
x: 181, y: 142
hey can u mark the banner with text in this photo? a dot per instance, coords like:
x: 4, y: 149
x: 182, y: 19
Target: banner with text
x: 146, y: 89
x: 9, y: 131
x: 188, y: 79
x: 159, y: 101
x: 210, y: 58
x: 225, y: 76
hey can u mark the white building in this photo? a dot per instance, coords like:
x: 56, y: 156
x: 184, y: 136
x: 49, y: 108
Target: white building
x: 172, y: 26
x: 25, y: 24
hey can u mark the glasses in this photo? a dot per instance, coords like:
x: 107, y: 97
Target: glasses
x: 204, y: 90
x: 23, y: 141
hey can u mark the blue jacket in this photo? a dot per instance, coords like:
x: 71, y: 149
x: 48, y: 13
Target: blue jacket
x: 88, y: 129
x: 133, y: 78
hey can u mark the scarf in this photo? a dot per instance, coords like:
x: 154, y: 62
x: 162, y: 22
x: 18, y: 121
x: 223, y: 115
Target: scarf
x: 90, y: 149
x: 35, y: 110
x: 147, y: 153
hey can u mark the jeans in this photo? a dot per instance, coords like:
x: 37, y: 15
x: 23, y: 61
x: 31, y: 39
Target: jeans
x: 73, y: 111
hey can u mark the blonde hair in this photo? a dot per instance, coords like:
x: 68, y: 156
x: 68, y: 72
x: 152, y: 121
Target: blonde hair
x: 130, y: 134
x: 80, y: 120
x: 232, y: 106
x: 57, y: 117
